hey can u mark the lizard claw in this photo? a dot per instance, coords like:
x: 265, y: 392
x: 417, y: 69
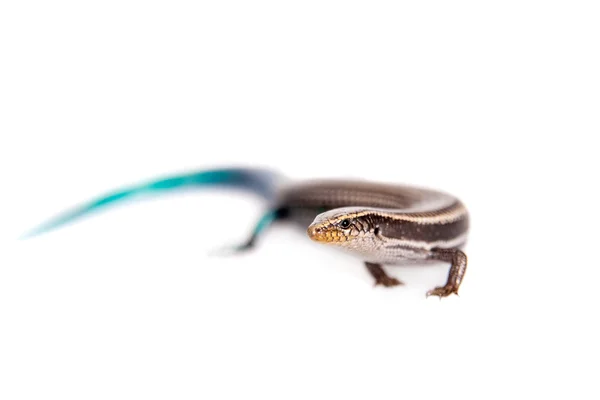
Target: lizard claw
x: 442, y: 291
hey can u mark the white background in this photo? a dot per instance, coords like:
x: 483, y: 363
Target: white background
x: 497, y: 104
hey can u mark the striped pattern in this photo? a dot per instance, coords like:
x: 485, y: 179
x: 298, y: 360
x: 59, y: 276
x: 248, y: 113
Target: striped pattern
x: 386, y: 223
x: 381, y: 223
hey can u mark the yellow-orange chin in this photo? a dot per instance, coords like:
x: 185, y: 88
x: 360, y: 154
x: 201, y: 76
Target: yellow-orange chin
x: 323, y: 234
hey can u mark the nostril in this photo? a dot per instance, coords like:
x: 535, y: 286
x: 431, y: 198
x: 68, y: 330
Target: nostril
x: 313, y: 231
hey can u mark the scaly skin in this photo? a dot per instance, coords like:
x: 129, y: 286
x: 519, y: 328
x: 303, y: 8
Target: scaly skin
x: 379, y: 223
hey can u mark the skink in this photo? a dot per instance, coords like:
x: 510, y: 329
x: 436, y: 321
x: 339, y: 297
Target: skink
x: 379, y: 223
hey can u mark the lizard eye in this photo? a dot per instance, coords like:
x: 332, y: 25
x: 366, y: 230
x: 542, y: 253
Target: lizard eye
x: 345, y: 223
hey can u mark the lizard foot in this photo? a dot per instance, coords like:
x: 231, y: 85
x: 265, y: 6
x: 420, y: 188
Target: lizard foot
x: 443, y: 291
x: 387, y: 281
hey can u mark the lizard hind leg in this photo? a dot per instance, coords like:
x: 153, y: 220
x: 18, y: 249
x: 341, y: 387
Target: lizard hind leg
x: 261, y: 226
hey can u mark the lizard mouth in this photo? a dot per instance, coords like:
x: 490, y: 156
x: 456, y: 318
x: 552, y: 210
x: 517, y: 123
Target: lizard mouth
x: 323, y: 234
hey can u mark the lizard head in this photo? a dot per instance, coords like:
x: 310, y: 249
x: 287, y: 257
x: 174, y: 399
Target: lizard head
x: 341, y: 226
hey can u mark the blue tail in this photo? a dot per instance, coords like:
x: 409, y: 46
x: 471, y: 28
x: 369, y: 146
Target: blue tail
x: 261, y: 182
